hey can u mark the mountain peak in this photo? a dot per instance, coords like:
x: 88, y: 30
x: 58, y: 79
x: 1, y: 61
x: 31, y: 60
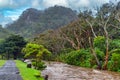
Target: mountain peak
x: 33, y: 21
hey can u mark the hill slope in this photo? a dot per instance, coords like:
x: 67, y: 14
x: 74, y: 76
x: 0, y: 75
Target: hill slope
x: 4, y: 33
x: 33, y: 21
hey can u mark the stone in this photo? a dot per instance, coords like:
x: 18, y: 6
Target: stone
x: 29, y: 65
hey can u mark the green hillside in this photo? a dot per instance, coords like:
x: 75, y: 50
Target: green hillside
x: 33, y: 21
x: 4, y: 33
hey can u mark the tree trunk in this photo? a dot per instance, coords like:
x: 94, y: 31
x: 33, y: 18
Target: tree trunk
x: 15, y: 56
x: 107, y: 48
x: 94, y: 54
x: 8, y: 56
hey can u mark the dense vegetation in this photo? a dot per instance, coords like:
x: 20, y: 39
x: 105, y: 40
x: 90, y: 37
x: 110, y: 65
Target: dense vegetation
x: 91, y: 41
x: 36, y: 53
x: 4, y: 33
x: 11, y: 47
x: 33, y: 21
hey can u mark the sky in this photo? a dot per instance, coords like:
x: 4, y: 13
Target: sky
x: 10, y: 10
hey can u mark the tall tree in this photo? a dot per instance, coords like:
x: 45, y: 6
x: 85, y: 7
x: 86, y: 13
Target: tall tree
x: 104, y: 16
x: 13, y: 45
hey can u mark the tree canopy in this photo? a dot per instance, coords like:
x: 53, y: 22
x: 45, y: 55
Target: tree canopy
x: 12, y: 46
x: 35, y: 50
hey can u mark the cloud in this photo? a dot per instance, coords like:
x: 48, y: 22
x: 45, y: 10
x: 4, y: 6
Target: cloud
x: 7, y: 4
x: 84, y: 3
x: 11, y: 9
x: 16, y: 4
x: 4, y: 3
x: 4, y: 20
x: 98, y: 2
x: 48, y: 3
x: 77, y: 4
x: 35, y: 3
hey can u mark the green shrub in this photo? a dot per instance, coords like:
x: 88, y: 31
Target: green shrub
x: 114, y: 63
x: 100, y: 54
x: 99, y: 42
x: 114, y: 44
x: 39, y: 65
x: 79, y: 58
x: 62, y: 56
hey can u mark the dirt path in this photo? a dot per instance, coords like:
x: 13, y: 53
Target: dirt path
x: 9, y: 71
x: 61, y: 71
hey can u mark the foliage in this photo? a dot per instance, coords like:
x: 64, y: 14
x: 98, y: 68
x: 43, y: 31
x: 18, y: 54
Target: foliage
x: 99, y: 42
x: 40, y: 65
x: 114, y: 63
x: 36, y: 52
x: 62, y: 56
x: 114, y: 44
x: 98, y: 32
x: 100, y: 55
x: 12, y: 46
x: 27, y: 73
x: 80, y: 58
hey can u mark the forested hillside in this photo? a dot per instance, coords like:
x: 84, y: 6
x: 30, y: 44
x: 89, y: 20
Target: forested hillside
x: 87, y: 40
x: 59, y: 43
x: 4, y: 33
x: 91, y: 41
x: 33, y: 21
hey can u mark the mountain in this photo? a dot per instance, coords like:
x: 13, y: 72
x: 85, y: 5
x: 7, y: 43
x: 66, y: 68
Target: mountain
x: 4, y: 33
x: 33, y: 21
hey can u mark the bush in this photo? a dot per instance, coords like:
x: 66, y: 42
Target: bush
x: 79, y: 58
x: 114, y: 44
x: 99, y: 42
x: 114, y: 63
x: 40, y: 65
x: 99, y: 54
x: 62, y: 56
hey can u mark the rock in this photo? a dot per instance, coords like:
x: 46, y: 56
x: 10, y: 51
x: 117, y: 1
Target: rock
x: 46, y: 77
x: 29, y: 65
x: 17, y: 72
x: 96, y: 71
x: 27, y: 60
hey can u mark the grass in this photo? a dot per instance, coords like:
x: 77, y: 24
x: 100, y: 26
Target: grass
x: 2, y: 62
x: 27, y: 73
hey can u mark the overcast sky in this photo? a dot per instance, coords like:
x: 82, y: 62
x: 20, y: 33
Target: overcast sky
x: 10, y: 10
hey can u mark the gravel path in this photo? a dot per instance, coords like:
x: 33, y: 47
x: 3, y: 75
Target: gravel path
x: 9, y: 71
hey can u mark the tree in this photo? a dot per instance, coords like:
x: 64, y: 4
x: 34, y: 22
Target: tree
x: 36, y: 52
x: 74, y: 35
x: 104, y: 16
x: 87, y: 17
x: 13, y: 45
x: 51, y: 40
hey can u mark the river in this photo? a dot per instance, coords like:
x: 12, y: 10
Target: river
x: 61, y: 71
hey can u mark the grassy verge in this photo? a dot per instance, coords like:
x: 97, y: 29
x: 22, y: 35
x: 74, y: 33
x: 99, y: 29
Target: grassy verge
x: 27, y: 73
x: 2, y: 62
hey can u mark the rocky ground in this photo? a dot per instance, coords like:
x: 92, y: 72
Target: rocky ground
x: 9, y: 71
x: 61, y: 71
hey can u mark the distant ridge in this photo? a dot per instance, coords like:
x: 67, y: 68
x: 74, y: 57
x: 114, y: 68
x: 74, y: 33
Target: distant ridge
x: 33, y: 21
